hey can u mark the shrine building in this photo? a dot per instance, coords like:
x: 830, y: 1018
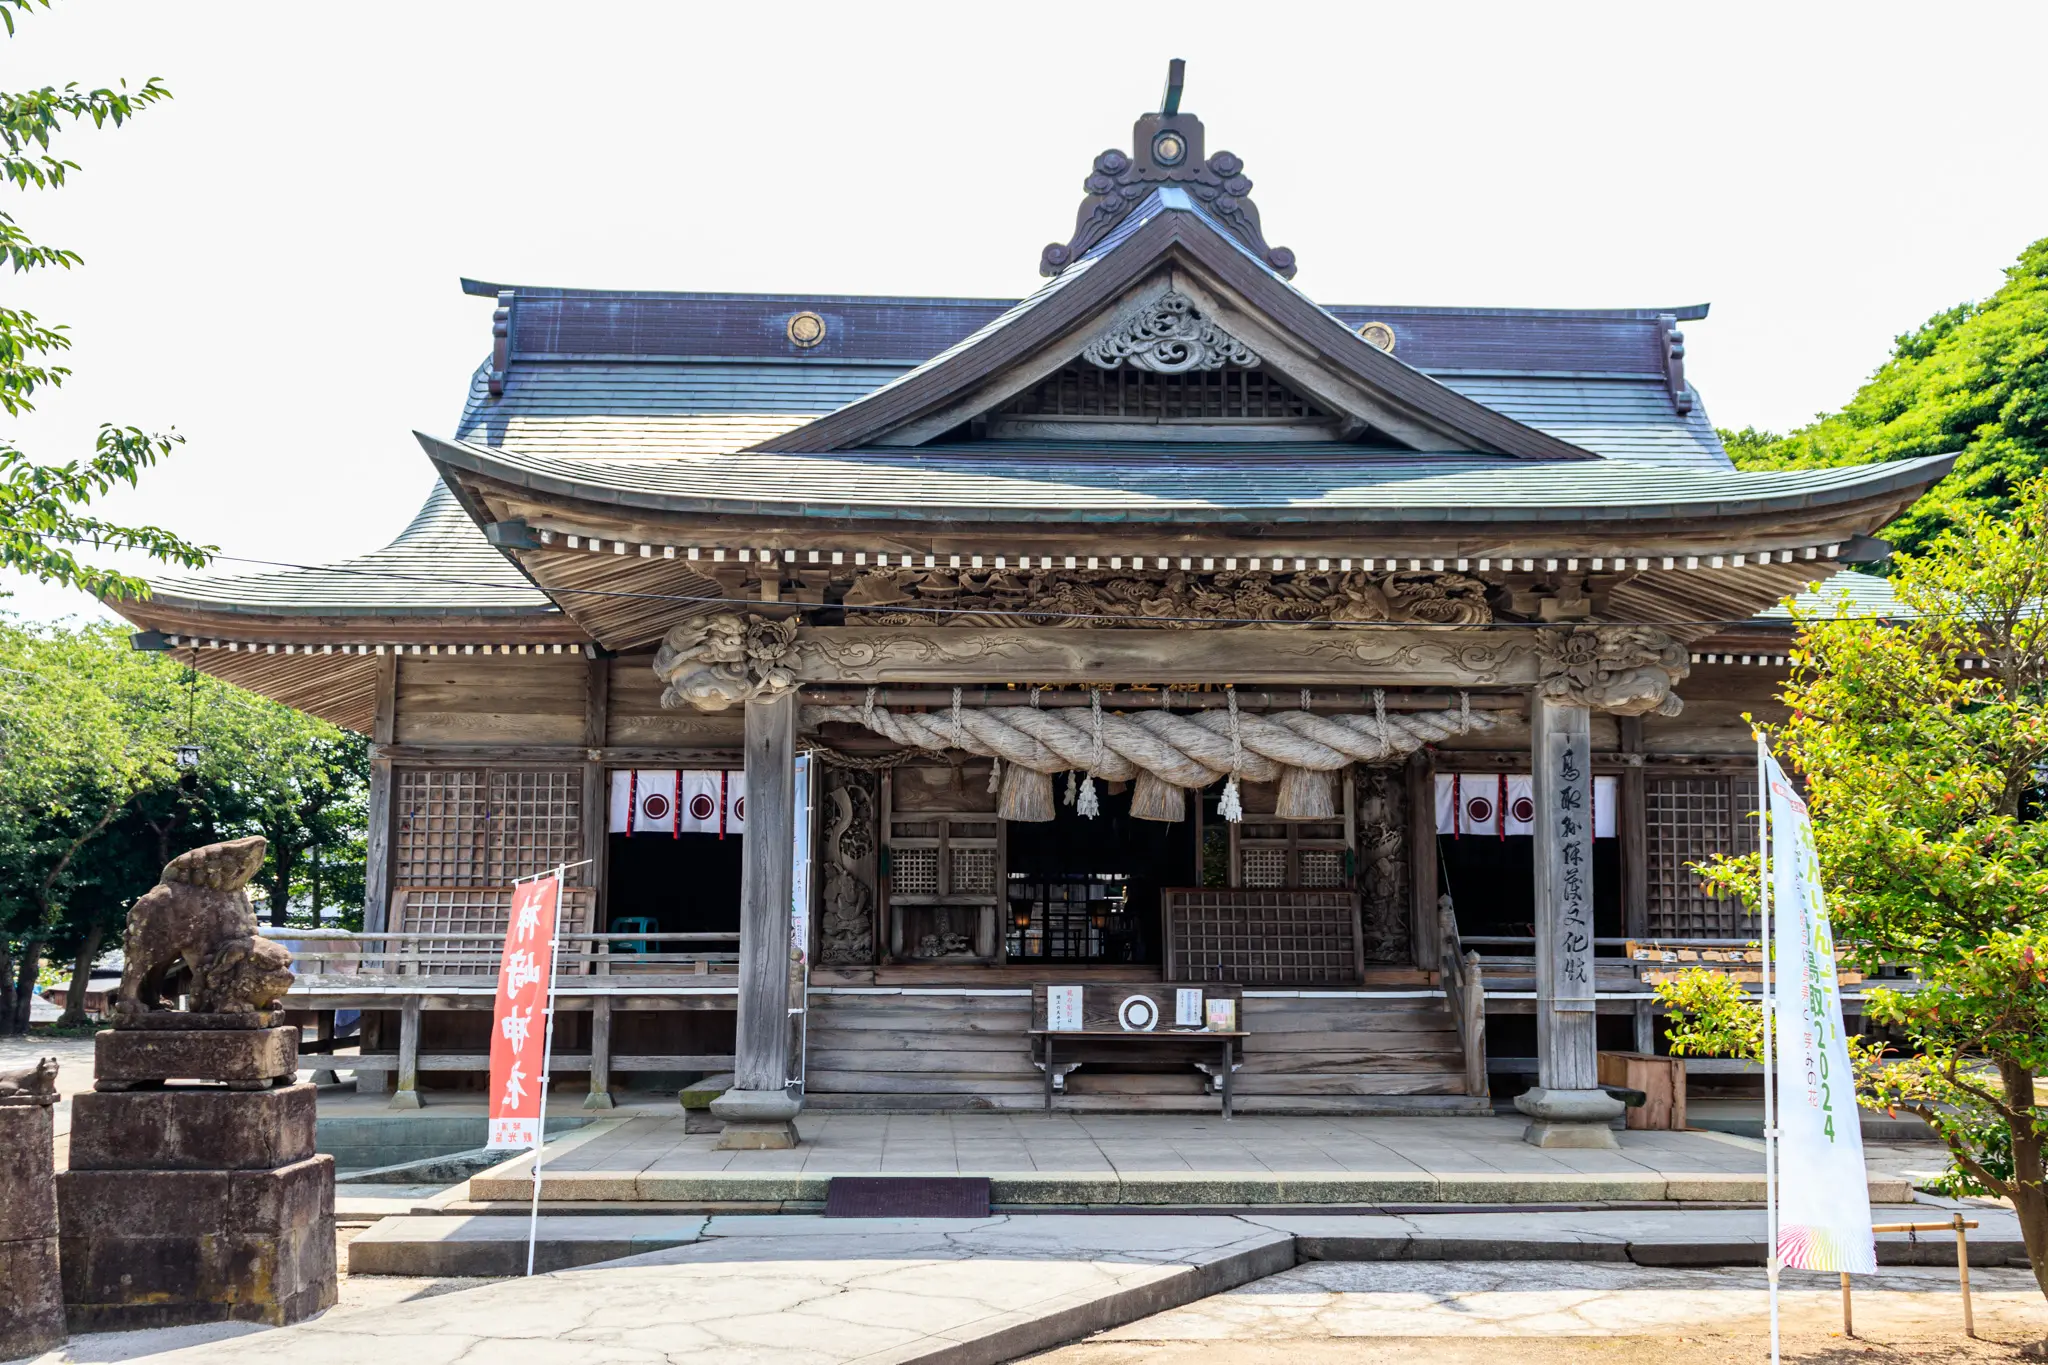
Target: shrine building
x: 875, y: 664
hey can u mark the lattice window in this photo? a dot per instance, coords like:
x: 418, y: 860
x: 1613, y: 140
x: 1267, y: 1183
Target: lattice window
x: 464, y: 835
x: 443, y: 827
x: 1126, y: 395
x: 1690, y: 819
x: 1261, y: 867
x: 1290, y: 853
x: 1322, y: 867
x: 1267, y: 938
x: 914, y: 871
x: 974, y: 871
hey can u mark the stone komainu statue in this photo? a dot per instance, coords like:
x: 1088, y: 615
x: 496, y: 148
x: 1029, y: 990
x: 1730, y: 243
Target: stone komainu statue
x: 194, y: 933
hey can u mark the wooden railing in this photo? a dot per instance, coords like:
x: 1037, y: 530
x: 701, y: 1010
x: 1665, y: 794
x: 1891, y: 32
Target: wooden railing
x: 1464, y: 982
x: 326, y: 954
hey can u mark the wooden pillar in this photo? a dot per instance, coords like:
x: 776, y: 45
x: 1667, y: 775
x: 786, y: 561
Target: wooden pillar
x: 407, y: 1095
x: 759, y: 1109
x: 1569, y: 1108
x: 1634, y: 818
x: 600, y: 1096
x: 1424, y: 931
x: 597, y: 690
x: 377, y: 842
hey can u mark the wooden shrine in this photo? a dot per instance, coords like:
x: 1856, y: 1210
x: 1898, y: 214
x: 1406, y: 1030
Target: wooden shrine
x: 1164, y: 627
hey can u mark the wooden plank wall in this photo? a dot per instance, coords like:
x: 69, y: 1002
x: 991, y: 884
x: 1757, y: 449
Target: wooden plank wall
x: 490, y: 699
x: 1322, y: 1053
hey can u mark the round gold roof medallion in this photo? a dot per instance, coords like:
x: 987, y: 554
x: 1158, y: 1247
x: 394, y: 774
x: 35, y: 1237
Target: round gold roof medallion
x: 1379, y: 334
x: 806, y: 330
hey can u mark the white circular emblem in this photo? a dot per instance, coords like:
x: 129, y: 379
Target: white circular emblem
x: 1138, y: 1014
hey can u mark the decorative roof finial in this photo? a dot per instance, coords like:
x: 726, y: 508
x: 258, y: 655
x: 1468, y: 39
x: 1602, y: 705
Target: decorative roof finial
x: 1176, y: 77
x: 1166, y: 149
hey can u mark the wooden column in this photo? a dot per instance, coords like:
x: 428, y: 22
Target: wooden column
x: 377, y: 841
x: 597, y: 691
x: 1569, y: 1107
x: 407, y: 1095
x: 759, y: 1108
x: 600, y: 1054
x: 1634, y: 819
x: 1424, y: 931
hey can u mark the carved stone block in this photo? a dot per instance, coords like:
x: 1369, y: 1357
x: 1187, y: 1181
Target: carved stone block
x: 31, y: 1294
x: 166, y: 1248
x: 123, y: 1058
x: 192, y: 1129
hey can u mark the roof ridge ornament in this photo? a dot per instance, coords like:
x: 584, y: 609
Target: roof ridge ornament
x: 1166, y: 149
x: 1168, y: 336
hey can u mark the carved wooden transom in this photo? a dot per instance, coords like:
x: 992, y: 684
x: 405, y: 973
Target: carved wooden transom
x: 1229, y: 394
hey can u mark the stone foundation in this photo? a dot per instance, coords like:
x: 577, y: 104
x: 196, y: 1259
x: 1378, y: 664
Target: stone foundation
x: 31, y: 1297
x: 195, y: 1203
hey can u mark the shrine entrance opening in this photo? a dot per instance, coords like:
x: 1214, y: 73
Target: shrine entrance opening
x: 1084, y: 890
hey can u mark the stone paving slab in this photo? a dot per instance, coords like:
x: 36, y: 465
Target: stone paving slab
x: 1288, y: 1315
x: 804, y: 1291
x: 470, y: 1245
x: 1162, y: 1160
x: 441, y: 1246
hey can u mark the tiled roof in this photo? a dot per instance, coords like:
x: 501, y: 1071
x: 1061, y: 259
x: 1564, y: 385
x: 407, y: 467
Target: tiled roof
x: 1142, y: 481
x: 439, y: 563
x: 1863, y: 594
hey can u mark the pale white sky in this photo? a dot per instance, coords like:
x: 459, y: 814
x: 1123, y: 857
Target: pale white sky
x: 271, y: 259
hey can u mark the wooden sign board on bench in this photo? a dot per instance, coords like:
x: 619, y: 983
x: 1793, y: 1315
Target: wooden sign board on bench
x: 1128, y: 1007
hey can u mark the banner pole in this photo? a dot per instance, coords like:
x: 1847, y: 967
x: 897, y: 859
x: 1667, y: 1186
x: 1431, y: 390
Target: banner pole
x: 547, y: 1056
x: 1770, y: 1027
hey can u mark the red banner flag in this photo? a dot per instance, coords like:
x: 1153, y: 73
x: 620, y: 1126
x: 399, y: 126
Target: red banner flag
x: 519, y: 1016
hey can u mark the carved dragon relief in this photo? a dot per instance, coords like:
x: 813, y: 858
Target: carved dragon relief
x: 1171, y: 600
x: 1168, y: 336
x: 1627, y: 670
x: 1383, y: 861
x: 846, y: 923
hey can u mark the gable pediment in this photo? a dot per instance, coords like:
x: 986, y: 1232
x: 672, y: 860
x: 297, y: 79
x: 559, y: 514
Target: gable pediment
x: 1172, y: 296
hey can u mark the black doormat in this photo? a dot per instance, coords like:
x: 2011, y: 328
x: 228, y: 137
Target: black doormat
x: 881, y: 1196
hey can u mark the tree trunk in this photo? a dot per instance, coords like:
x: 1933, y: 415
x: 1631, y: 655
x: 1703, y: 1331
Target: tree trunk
x: 25, y: 983
x: 81, y: 977
x: 313, y: 881
x: 6, y: 990
x: 2029, y: 1193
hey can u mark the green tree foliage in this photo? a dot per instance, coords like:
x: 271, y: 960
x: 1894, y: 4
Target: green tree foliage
x: 1925, y: 779
x: 96, y: 802
x: 1973, y: 379
x: 43, y: 506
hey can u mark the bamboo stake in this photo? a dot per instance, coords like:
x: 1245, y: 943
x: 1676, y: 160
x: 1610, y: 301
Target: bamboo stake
x: 1848, y: 1313
x: 1956, y: 1224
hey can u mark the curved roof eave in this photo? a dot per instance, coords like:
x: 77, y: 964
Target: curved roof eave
x: 1827, y: 488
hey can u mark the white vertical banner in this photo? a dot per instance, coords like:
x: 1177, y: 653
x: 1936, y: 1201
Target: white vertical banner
x: 1823, y: 1191
x: 800, y: 914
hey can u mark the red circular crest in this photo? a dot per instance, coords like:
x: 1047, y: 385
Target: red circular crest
x: 654, y: 806
x: 1479, y: 811
x: 739, y: 809
x: 702, y: 807
x: 1524, y: 810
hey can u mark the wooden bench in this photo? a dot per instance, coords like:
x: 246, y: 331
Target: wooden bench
x: 1120, y: 1019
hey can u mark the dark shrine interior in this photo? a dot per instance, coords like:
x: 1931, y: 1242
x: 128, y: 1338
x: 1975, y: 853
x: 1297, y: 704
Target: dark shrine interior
x: 1063, y: 860
x: 1492, y: 884
x: 684, y: 883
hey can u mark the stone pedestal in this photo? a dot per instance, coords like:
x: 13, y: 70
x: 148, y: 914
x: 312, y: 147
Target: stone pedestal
x: 195, y: 1203
x: 1570, y: 1118
x: 31, y: 1294
x: 756, y: 1120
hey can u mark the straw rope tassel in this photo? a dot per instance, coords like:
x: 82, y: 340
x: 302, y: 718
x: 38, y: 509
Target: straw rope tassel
x: 1087, y: 805
x: 1231, y: 808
